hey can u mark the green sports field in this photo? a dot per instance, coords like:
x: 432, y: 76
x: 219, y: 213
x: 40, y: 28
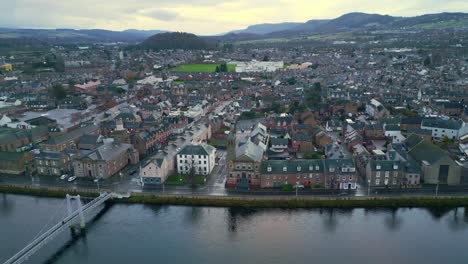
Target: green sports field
x: 209, y: 67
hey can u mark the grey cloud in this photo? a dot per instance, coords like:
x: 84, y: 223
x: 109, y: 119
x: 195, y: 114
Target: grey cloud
x: 163, y: 15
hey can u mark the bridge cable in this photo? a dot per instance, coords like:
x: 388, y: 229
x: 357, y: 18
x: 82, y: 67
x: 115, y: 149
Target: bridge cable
x: 62, y: 205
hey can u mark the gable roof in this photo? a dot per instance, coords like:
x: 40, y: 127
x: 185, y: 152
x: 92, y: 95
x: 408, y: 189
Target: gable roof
x: 202, y: 149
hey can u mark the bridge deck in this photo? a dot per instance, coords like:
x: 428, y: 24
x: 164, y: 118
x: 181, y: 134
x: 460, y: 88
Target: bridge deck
x: 65, y: 223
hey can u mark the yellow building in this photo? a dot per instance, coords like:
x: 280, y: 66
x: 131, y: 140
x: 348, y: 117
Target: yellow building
x: 7, y: 67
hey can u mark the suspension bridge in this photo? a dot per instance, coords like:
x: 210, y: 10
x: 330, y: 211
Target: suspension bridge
x: 68, y: 222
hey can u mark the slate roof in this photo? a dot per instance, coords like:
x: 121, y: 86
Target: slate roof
x: 339, y: 164
x: 72, y: 135
x: 440, y: 123
x: 292, y: 166
x: 302, y: 137
x: 251, y: 151
x: 49, y: 155
x: 202, y: 149
x: 392, y: 128
x: 108, y: 151
x: 10, y: 156
x: 279, y: 141
x: 385, y: 165
x: 411, y: 121
x: 420, y: 131
x: 426, y: 151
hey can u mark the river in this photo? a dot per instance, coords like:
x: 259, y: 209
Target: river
x: 170, y: 234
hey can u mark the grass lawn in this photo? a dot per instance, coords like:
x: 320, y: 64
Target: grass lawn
x: 176, y: 180
x: 183, y: 179
x: 207, y: 67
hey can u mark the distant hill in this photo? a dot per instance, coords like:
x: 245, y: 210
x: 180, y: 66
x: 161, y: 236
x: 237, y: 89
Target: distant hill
x: 433, y: 20
x: 83, y: 35
x: 349, y: 22
x: 266, y: 28
x: 357, y: 21
x: 175, y: 40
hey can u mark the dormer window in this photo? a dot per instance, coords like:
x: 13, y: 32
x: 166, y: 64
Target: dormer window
x: 317, y: 168
x: 332, y: 169
x: 285, y: 169
x: 377, y: 167
x: 395, y: 166
x: 269, y: 169
x: 299, y: 168
x: 311, y: 168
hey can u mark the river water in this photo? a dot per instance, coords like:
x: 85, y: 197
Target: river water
x: 172, y: 234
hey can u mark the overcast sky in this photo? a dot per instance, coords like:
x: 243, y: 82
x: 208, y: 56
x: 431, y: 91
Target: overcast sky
x: 199, y: 16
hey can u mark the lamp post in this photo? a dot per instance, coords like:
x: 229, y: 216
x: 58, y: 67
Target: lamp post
x: 97, y: 183
x: 368, y: 187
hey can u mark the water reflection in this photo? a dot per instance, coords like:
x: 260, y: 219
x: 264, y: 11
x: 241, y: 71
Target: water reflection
x: 393, y: 222
x: 6, y: 205
x: 438, y: 212
x: 82, y: 249
x: 458, y: 219
x: 237, y: 216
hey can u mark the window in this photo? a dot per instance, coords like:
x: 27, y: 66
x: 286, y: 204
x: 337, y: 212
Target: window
x: 269, y: 169
x: 332, y: 169
x: 311, y: 168
x: 285, y: 169
x: 377, y: 174
x: 317, y: 168
x: 394, y: 181
x: 377, y: 181
x: 395, y: 166
x: 395, y: 174
x: 387, y: 173
x: 377, y: 167
x: 299, y: 168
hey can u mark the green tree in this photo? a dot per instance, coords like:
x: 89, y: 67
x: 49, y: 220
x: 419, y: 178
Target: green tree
x: 59, y: 92
x: 291, y: 80
x: 427, y: 61
x: 223, y: 67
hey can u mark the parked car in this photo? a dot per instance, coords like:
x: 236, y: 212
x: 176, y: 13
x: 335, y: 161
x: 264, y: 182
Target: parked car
x: 72, y: 178
x: 64, y: 176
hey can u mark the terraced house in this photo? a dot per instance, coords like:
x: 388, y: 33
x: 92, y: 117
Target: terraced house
x: 52, y: 163
x: 276, y: 173
x: 393, y: 173
x: 330, y: 174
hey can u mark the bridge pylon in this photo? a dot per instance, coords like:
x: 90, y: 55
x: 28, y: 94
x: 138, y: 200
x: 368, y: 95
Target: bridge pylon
x: 76, y: 198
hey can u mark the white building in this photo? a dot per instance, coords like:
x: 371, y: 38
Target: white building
x: 453, y: 129
x: 200, y: 157
x: 258, y: 66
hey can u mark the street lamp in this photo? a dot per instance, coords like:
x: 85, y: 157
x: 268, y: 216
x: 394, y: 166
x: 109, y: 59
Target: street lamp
x: 97, y: 182
x: 368, y: 187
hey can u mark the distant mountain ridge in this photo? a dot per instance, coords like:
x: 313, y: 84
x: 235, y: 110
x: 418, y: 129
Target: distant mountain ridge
x: 347, y: 22
x: 361, y: 21
x: 130, y: 35
x: 266, y: 28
